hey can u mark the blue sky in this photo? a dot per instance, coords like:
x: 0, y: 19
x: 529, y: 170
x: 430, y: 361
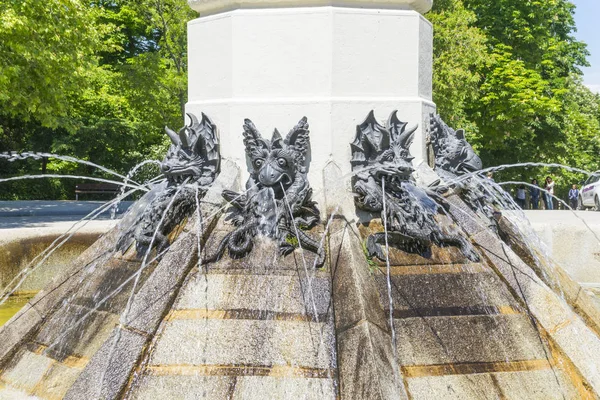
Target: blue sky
x: 588, y: 30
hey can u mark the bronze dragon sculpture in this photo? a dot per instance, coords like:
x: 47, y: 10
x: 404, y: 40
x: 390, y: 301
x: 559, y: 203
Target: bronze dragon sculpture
x: 383, y: 182
x: 277, y: 202
x: 190, y: 166
x: 454, y: 157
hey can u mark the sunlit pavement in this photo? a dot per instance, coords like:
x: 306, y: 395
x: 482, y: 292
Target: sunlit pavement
x: 22, y: 219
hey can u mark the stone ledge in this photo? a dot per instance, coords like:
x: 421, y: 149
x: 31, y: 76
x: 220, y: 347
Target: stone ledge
x: 287, y: 294
x: 463, y: 339
x: 245, y: 342
x: 208, y: 7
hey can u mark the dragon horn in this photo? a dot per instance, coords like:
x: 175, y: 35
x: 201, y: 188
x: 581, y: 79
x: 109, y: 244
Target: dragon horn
x: 172, y: 135
x: 193, y: 119
x: 184, y: 138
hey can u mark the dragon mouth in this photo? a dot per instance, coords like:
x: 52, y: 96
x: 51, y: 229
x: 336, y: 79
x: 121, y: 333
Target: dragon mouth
x: 471, y: 164
x: 392, y: 173
x: 283, y: 179
x: 180, y: 175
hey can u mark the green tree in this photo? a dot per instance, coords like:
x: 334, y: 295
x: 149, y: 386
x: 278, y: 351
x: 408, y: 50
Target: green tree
x: 519, y: 66
x: 130, y: 84
x: 46, y: 47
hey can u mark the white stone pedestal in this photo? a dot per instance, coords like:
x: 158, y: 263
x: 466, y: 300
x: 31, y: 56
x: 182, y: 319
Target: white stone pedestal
x: 329, y: 63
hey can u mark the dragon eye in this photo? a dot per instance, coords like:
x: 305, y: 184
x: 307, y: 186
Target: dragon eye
x: 282, y: 162
x: 258, y: 162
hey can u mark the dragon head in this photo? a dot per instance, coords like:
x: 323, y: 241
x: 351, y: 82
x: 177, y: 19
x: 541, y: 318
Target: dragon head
x: 194, y: 154
x: 452, y: 152
x: 276, y: 163
x: 383, y: 152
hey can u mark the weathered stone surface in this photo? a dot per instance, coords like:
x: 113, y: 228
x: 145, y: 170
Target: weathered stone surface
x: 544, y: 384
x: 258, y: 388
x: 13, y: 394
x: 56, y: 382
x: 398, y: 257
x: 547, y: 384
x: 64, y: 338
x: 441, y: 340
x: 245, y: 342
x: 465, y: 217
x: 108, y: 371
x: 583, y: 349
x: 17, y: 328
x: 452, y: 387
x: 366, y: 364
x: 578, y: 341
x: 185, y: 387
x: 355, y: 294
x: 28, y: 371
x: 588, y: 305
x: 286, y: 294
x: 431, y: 292
x: 150, y: 303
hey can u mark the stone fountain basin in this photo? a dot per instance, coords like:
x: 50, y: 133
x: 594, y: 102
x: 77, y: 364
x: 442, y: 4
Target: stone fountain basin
x: 19, y: 246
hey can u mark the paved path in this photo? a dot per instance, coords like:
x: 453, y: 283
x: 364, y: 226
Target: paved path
x: 26, y: 219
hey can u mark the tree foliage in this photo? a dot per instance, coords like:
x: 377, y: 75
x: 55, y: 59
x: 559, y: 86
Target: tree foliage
x: 96, y: 80
x: 517, y: 65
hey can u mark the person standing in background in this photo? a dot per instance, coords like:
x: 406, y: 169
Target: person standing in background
x: 534, y: 194
x: 573, y: 196
x: 520, y: 198
x: 549, y: 193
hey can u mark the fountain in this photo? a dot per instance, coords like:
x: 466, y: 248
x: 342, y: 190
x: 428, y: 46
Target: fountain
x: 343, y: 269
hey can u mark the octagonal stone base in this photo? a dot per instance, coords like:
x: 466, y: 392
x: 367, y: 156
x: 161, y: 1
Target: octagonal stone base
x: 330, y: 64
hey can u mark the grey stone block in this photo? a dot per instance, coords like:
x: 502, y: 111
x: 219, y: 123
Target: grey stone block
x: 431, y: 292
x: 282, y: 388
x: 453, y: 387
x: 56, y: 382
x: 15, y: 331
x: 355, y: 294
x: 150, y: 304
x: 109, y: 369
x: 544, y: 384
x: 245, y: 342
x: 465, y: 217
x: 442, y: 340
x: 267, y: 293
x: 66, y: 337
x: 27, y: 370
x: 186, y: 387
x: 583, y: 349
x: 367, y: 367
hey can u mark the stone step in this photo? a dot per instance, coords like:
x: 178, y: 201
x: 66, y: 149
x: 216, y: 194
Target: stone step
x: 234, y: 388
x: 467, y: 339
x: 255, y: 343
x: 536, y: 384
x: 255, y: 296
x: 75, y: 331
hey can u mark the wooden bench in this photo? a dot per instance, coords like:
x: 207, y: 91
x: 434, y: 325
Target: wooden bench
x: 96, y: 188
